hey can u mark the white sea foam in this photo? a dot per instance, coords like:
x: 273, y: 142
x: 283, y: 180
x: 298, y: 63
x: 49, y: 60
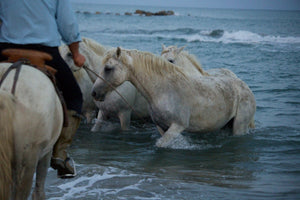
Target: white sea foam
x: 115, y: 182
x: 241, y: 36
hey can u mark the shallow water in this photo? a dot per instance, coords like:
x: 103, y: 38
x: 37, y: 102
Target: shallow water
x: 262, y: 48
x: 127, y: 165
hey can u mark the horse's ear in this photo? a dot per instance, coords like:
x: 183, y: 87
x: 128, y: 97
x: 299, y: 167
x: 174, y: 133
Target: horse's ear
x: 180, y: 49
x: 163, y: 47
x: 118, y: 52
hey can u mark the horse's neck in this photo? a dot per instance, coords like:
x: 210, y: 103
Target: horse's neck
x: 96, y: 47
x: 186, y: 62
x: 151, y: 86
x: 183, y: 61
x: 91, y: 75
x: 143, y: 84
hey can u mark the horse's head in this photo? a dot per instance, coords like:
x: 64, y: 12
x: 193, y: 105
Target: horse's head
x: 113, y: 73
x: 171, y: 52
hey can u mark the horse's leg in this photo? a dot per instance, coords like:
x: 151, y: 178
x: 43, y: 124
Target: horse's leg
x: 98, y: 123
x: 252, y: 123
x: 125, y: 119
x: 242, y: 119
x: 25, y: 165
x: 89, y: 115
x: 160, y: 130
x: 41, y: 173
x: 169, y: 136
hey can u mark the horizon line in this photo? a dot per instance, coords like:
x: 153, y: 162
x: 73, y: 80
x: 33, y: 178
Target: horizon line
x: 174, y: 6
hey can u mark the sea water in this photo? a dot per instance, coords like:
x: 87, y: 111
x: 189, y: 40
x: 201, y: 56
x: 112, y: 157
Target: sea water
x: 261, y: 47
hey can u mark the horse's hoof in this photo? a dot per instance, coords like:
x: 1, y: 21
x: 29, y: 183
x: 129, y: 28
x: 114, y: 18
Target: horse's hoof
x: 65, y: 168
x: 179, y: 142
x: 161, y: 143
x: 96, y: 128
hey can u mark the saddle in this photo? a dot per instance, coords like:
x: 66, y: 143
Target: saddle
x: 37, y: 60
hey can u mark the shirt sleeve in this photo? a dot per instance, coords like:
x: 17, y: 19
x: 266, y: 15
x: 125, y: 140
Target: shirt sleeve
x: 66, y: 22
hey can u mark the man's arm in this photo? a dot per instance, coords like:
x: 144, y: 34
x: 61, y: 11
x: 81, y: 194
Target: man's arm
x: 68, y: 28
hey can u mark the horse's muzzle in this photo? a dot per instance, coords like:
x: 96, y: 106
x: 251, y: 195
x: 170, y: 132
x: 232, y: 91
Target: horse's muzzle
x: 97, y: 96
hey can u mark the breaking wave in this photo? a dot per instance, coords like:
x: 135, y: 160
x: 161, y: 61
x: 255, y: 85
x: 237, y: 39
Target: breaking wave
x: 217, y: 35
x: 239, y: 37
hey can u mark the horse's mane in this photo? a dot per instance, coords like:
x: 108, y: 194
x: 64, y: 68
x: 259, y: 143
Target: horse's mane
x: 87, y: 43
x: 193, y: 60
x: 63, y: 49
x: 95, y: 46
x: 153, y: 64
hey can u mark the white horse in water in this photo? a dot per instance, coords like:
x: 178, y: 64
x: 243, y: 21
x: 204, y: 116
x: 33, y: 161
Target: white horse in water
x: 30, y: 124
x: 189, y: 62
x: 182, y: 58
x: 113, y: 105
x: 179, y: 101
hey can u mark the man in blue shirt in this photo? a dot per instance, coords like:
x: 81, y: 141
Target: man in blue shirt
x: 41, y: 25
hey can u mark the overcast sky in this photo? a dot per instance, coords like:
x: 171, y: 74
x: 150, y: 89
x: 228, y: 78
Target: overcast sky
x: 244, y: 4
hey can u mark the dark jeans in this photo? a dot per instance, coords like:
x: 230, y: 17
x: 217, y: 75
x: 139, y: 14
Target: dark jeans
x: 64, y: 76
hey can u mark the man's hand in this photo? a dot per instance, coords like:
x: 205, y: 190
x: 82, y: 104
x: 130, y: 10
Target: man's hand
x: 78, y: 58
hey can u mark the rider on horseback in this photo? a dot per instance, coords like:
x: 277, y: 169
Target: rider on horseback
x: 40, y: 25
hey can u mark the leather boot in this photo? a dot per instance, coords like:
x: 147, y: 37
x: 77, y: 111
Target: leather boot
x: 60, y: 161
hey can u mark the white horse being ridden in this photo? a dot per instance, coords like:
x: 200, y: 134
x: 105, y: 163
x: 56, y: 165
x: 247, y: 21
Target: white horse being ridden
x: 113, y: 105
x: 30, y: 124
x: 179, y: 101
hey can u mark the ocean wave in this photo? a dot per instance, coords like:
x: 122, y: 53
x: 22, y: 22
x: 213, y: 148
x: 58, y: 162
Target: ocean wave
x: 217, y: 35
x: 155, y: 32
x: 245, y: 37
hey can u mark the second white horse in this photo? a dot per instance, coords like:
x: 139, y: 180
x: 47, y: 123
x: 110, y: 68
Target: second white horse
x: 177, y: 100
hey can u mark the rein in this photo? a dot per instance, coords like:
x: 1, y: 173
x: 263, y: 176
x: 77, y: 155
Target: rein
x: 17, y: 65
x: 110, y: 85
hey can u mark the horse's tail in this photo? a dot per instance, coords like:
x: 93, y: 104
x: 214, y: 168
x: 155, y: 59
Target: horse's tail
x: 7, y: 107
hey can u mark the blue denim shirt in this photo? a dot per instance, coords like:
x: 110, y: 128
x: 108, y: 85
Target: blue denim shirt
x: 45, y: 22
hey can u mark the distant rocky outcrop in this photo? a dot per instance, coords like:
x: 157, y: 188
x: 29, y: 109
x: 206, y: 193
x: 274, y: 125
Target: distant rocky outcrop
x: 138, y: 12
x: 160, y: 13
x: 128, y: 13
